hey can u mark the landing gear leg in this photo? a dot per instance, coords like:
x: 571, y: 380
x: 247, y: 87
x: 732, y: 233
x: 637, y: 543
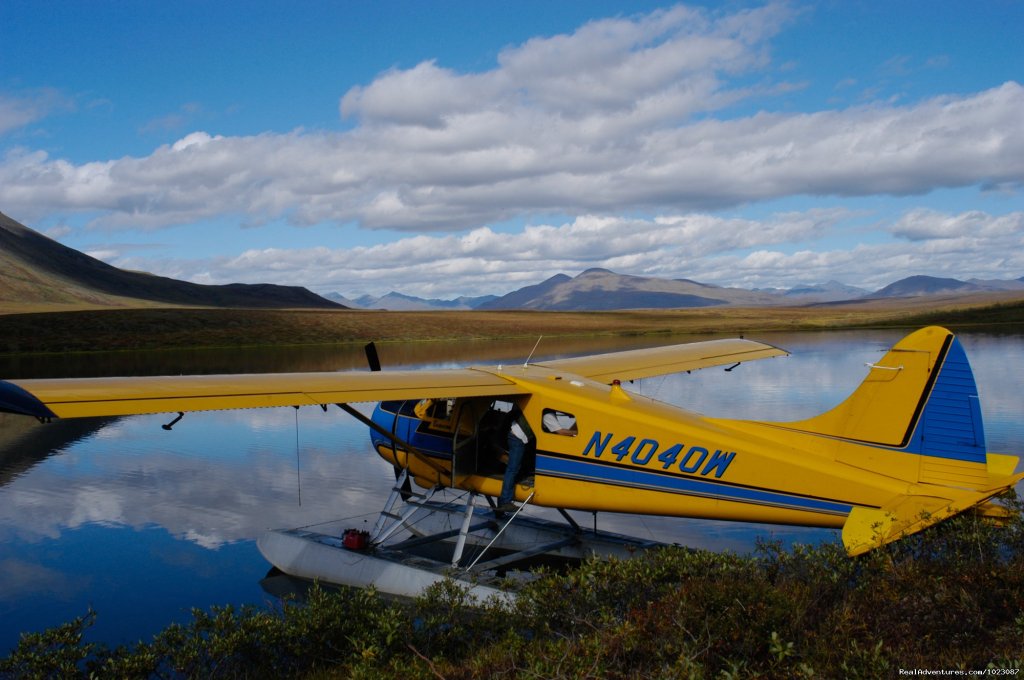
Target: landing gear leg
x: 467, y: 519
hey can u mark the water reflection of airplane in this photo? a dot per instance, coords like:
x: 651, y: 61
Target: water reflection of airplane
x: 906, y: 450
x: 23, y: 446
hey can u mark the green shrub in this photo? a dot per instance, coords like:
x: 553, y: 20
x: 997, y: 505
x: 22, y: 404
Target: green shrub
x: 949, y: 597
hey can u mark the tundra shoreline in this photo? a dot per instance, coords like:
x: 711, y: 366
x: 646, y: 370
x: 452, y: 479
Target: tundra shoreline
x: 91, y: 330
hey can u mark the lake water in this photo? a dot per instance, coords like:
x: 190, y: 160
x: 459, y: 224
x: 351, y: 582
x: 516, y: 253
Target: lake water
x: 142, y: 524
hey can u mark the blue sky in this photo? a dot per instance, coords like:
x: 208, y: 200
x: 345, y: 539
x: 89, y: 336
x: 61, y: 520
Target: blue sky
x: 469, y: 148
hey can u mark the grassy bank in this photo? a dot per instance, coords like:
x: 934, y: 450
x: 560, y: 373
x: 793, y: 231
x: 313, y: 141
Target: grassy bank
x: 948, y: 598
x: 176, y: 328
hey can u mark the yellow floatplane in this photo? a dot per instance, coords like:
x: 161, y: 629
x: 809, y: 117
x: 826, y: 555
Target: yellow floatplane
x: 906, y: 450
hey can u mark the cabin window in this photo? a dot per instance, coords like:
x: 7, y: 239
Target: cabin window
x: 558, y: 422
x: 437, y: 413
x: 501, y: 405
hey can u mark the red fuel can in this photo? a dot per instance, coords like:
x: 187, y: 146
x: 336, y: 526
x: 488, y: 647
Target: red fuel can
x: 355, y: 539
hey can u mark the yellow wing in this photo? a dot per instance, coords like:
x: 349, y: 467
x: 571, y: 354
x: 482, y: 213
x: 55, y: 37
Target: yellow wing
x: 82, y: 397
x: 645, y: 363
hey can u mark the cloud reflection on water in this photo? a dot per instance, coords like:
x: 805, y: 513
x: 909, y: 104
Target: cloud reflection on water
x: 216, y: 478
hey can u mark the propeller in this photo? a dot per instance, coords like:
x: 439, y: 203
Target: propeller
x: 374, y: 362
x: 371, y: 356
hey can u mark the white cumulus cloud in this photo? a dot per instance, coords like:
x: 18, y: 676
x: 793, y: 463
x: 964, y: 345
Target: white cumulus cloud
x: 617, y: 116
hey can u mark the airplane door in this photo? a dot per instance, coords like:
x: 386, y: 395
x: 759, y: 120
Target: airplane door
x: 475, y: 448
x: 465, y: 442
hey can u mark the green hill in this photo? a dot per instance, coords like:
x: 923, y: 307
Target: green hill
x: 35, y: 269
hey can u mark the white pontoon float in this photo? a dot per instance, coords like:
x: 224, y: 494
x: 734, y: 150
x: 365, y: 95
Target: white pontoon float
x: 432, y: 540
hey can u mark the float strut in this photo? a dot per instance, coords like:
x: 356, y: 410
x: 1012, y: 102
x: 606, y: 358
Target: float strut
x: 395, y: 490
x: 402, y: 521
x: 466, y: 520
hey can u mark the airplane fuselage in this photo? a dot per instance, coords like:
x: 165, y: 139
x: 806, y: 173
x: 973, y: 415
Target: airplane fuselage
x: 633, y: 454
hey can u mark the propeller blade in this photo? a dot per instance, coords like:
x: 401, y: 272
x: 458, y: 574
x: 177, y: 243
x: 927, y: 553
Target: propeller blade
x: 371, y: 356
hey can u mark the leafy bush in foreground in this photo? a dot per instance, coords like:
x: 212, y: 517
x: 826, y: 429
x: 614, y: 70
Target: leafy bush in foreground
x: 947, y: 598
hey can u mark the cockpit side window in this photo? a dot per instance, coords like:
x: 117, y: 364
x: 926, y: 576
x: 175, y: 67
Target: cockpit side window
x: 559, y: 422
x: 436, y: 413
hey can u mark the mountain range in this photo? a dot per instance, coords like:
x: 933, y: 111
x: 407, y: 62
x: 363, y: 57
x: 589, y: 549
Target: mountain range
x: 600, y: 289
x: 398, y: 302
x: 36, y: 270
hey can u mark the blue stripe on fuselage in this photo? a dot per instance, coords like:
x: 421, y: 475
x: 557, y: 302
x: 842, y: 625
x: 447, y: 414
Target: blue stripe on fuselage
x: 620, y: 475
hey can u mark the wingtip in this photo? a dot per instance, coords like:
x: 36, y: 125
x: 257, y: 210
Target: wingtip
x: 14, y: 399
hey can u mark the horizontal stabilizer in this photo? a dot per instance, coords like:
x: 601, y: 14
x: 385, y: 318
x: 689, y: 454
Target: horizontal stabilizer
x: 1001, y: 465
x: 869, y: 528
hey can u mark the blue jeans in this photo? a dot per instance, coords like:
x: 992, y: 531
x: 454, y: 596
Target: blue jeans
x: 516, y: 448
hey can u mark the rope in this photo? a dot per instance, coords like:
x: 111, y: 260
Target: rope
x: 298, y: 467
